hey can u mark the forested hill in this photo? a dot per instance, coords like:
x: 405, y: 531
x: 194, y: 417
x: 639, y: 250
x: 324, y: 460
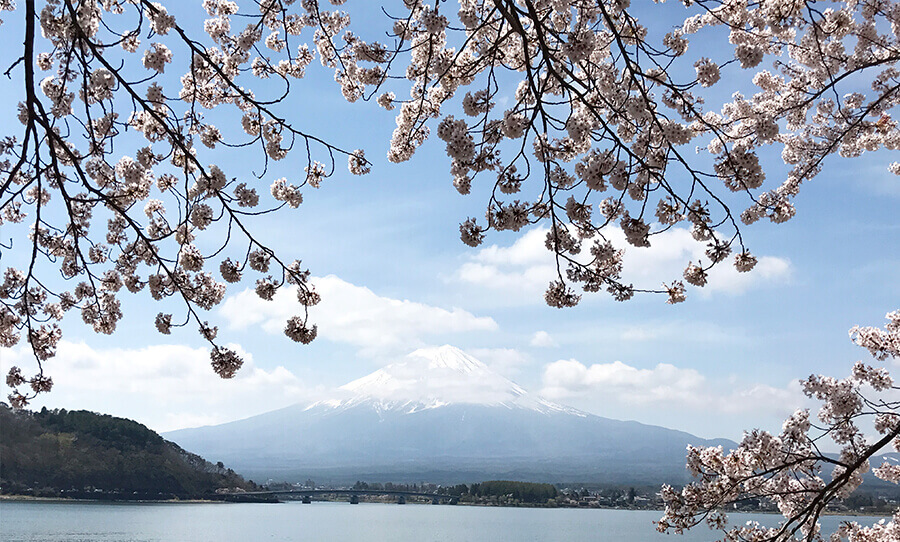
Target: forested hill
x: 84, y: 454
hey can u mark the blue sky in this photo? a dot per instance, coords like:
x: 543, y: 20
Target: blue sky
x: 394, y: 276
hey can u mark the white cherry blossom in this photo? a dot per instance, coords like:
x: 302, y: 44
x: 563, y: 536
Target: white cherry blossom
x: 582, y: 114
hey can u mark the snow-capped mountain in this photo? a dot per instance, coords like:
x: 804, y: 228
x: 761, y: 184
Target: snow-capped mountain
x: 440, y: 414
x: 433, y: 378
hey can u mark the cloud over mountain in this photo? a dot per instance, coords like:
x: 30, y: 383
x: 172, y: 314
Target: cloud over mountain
x: 356, y: 315
x: 527, y: 266
x: 134, y: 383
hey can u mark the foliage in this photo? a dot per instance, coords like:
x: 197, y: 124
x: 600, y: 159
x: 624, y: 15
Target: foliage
x: 787, y: 469
x: 77, y: 452
x: 526, y: 492
x: 579, y: 112
x: 456, y: 491
x: 109, y: 212
x: 529, y: 492
x: 570, y: 108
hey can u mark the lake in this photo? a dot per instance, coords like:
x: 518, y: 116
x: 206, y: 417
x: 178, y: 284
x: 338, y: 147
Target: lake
x: 325, y: 521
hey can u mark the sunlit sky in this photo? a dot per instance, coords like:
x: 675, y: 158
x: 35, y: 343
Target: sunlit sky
x: 385, y: 253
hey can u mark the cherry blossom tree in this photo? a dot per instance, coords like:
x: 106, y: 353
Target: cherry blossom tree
x: 588, y: 115
x: 601, y: 101
x: 104, y: 218
x: 791, y: 471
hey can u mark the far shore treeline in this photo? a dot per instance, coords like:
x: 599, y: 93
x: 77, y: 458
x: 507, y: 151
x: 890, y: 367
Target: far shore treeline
x: 522, y: 491
x: 526, y: 492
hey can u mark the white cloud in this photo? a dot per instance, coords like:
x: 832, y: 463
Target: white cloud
x: 873, y: 177
x: 670, y: 253
x: 664, y: 382
x: 527, y: 266
x: 165, y: 387
x: 682, y: 331
x: 530, y: 280
x: 356, y: 315
x: 542, y: 339
x: 527, y: 250
x: 661, y: 393
x: 768, y: 270
x: 639, y: 334
x: 506, y: 361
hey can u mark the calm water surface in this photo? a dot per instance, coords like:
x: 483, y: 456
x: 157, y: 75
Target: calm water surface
x: 105, y: 522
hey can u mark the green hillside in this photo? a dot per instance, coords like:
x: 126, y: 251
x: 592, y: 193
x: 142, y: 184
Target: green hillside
x: 84, y: 454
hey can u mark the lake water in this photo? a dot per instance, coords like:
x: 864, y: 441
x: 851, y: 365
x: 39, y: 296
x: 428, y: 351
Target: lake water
x: 326, y: 521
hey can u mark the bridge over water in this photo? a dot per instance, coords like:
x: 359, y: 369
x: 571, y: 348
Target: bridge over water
x: 306, y: 495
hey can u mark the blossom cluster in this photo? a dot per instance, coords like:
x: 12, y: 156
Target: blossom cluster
x: 582, y: 113
x: 116, y: 215
x: 600, y: 110
x: 789, y: 469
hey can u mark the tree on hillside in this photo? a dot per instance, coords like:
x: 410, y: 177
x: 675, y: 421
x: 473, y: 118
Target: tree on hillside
x: 59, y: 450
x: 595, y: 117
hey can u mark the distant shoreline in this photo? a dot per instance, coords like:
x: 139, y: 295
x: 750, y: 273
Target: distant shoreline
x: 31, y: 498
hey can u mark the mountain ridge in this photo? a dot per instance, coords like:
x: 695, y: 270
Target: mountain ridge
x: 440, y: 411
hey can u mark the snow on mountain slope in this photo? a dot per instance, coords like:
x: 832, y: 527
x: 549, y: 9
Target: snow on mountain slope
x: 436, y: 377
x: 442, y: 415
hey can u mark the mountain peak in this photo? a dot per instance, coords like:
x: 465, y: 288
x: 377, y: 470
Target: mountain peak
x: 450, y: 357
x: 434, y: 377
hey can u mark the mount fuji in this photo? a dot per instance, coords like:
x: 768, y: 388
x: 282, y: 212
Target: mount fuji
x: 434, y: 378
x: 443, y: 416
